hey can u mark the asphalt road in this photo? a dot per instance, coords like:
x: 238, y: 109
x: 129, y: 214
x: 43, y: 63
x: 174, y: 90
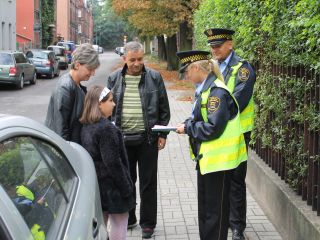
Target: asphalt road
x: 32, y: 101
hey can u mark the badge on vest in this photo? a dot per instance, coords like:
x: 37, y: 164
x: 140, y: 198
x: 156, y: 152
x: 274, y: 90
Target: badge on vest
x: 243, y: 74
x: 213, y: 104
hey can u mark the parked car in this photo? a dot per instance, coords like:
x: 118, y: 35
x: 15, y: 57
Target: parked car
x: 98, y: 48
x: 70, y: 47
x: 119, y: 50
x: 60, y: 53
x: 16, y: 69
x: 48, y: 186
x: 45, y: 61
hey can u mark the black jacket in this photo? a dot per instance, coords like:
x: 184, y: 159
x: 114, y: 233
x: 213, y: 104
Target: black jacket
x: 153, y: 95
x: 104, y: 142
x: 65, y: 109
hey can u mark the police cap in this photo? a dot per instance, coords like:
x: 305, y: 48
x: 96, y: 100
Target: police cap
x: 188, y: 57
x: 217, y: 36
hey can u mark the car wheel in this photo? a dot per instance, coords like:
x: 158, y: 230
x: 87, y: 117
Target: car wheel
x: 20, y: 84
x: 34, y: 79
x: 51, y: 74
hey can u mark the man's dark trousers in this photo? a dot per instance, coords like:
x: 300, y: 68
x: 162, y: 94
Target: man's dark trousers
x: 238, y: 195
x: 146, y: 156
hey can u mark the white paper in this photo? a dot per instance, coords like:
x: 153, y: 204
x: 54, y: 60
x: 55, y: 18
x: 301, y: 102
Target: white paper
x: 160, y: 128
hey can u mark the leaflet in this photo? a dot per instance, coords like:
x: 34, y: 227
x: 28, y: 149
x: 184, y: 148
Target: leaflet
x: 160, y: 128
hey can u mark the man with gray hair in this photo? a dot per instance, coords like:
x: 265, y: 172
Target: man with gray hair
x: 141, y: 102
x: 66, y: 102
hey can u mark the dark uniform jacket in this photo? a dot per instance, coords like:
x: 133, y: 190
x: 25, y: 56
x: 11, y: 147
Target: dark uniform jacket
x: 104, y: 141
x: 219, y: 113
x: 153, y: 95
x: 243, y: 83
x: 65, y: 109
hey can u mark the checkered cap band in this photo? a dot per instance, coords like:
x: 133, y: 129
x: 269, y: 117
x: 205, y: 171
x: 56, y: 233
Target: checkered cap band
x: 194, y: 58
x: 220, y: 36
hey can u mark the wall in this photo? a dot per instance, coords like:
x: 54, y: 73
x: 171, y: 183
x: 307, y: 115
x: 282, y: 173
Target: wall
x: 8, y: 25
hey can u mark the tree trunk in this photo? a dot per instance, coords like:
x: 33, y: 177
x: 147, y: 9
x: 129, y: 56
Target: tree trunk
x: 147, y: 49
x: 162, y: 53
x: 171, y: 53
x: 185, y: 37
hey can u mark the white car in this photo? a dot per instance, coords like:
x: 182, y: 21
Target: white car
x: 48, y: 186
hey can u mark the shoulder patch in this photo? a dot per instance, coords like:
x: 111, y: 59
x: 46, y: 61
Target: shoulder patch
x: 243, y: 74
x: 213, y: 104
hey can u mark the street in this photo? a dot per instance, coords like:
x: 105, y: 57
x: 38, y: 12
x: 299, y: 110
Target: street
x: 32, y: 101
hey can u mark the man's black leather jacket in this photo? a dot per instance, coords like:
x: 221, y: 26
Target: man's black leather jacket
x: 153, y: 95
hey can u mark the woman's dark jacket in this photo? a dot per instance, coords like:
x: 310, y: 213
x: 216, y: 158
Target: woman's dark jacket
x: 65, y: 109
x: 153, y: 95
x: 104, y: 141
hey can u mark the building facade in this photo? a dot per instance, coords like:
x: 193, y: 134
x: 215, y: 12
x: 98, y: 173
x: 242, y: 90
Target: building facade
x: 74, y: 21
x: 28, y: 24
x: 8, y: 25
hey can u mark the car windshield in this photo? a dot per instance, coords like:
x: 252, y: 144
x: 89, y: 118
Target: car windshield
x: 57, y: 51
x: 6, y: 59
x: 37, y: 54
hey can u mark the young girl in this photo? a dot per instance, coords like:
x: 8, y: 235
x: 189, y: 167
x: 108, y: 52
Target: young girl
x: 104, y: 141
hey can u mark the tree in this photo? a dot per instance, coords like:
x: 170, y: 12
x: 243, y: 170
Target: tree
x: 109, y: 28
x: 47, y: 18
x: 157, y: 18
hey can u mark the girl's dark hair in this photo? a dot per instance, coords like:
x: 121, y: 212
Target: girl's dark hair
x: 91, y: 111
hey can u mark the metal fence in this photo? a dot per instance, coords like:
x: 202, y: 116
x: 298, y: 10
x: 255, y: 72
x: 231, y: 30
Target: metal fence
x: 308, y: 186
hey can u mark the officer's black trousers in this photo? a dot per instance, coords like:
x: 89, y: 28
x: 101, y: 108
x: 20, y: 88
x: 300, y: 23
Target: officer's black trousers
x: 146, y: 156
x: 238, y: 195
x: 213, y: 205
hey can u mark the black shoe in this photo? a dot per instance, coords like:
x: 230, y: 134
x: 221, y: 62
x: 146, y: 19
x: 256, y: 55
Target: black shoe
x: 237, y: 235
x: 147, y: 232
x: 132, y: 225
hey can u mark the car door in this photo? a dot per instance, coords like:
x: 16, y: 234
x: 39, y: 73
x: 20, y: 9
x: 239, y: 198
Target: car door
x: 24, y: 66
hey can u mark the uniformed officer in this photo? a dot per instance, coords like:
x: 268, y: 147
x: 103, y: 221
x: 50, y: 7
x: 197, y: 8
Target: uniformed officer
x: 239, y: 77
x: 216, y: 141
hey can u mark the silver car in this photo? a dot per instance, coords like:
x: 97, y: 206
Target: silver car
x: 16, y: 69
x: 48, y: 187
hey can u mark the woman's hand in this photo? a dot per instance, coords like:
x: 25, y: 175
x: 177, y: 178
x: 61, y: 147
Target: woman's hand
x: 180, y: 128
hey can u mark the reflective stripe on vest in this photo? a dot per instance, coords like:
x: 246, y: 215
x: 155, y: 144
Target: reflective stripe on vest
x: 23, y: 191
x: 227, y: 151
x: 247, y: 115
x: 37, y: 232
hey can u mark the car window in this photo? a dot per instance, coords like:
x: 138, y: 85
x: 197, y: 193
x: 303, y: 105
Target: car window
x: 20, y: 58
x: 39, y: 180
x: 40, y: 55
x: 6, y: 59
x: 57, y: 51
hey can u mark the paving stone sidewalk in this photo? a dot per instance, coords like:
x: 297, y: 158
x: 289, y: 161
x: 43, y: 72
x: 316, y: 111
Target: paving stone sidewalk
x: 177, y: 194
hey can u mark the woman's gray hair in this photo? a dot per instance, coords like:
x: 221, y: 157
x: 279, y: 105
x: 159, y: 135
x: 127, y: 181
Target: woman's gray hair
x: 85, y: 55
x: 132, y: 47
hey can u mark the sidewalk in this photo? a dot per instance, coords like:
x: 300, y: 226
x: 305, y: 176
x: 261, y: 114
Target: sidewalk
x: 177, y: 194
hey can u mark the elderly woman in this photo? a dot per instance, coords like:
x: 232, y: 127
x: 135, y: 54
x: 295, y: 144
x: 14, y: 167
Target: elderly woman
x: 216, y: 141
x: 66, y: 102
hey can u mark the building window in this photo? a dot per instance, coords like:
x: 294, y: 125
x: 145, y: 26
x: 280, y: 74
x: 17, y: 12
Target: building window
x: 79, y: 28
x: 2, y: 35
x: 79, y: 13
x: 10, y: 37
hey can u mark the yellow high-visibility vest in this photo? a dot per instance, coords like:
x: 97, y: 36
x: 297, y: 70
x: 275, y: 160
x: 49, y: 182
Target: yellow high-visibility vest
x: 247, y: 115
x: 227, y: 151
